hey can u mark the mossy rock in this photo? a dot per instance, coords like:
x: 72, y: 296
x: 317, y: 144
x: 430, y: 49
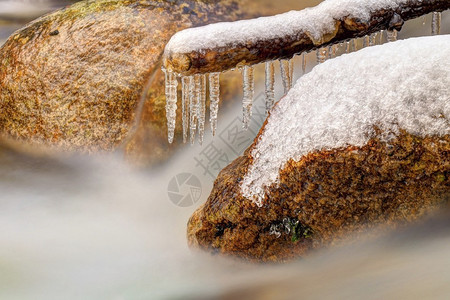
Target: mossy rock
x: 88, y: 77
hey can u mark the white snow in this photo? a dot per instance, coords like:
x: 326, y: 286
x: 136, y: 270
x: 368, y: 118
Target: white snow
x: 404, y: 84
x: 316, y: 20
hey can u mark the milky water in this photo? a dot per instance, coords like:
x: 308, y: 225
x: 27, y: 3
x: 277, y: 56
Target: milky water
x: 15, y: 13
x: 94, y: 228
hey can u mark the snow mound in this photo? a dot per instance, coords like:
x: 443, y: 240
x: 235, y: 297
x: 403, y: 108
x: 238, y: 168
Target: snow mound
x: 405, y: 84
x: 317, y: 21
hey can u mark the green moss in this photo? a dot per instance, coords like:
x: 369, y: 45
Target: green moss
x: 298, y: 231
x: 291, y: 227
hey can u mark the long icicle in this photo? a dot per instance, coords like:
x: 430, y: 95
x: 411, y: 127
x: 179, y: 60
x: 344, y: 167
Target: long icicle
x: 192, y: 108
x: 332, y: 51
x: 347, y: 47
x: 214, y: 97
x: 391, y: 35
x: 248, y: 96
x: 376, y: 38
x: 373, y: 39
x: 185, y: 106
x: 291, y: 73
x: 286, y: 75
x: 436, y: 23
x: 270, y: 85
x: 303, y: 63
x: 171, y: 103
x: 366, y: 41
x: 381, y: 36
x: 201, y: 108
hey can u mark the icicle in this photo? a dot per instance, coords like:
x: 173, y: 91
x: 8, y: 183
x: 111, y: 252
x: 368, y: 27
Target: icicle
x: 380, y: 36
x: 286, y: 74
x: 347, y: 47
x: 193, y: 100
x: 350, y: 46
x: 424, y: 20
x: 366, y: 41
x: 291, y: 72
x: 322, y: 55
x: 248, y: 95
x: 270, y: 85
x: 303, y: 63
x: 171, y: 103
x: 373, y: 39
x: 332, y: 51
x: 436, y: 23
x: 214, y: 97
x: 201, y: 108
x: 391, y: 35
x: 185, y: 106
x: 376, y: 37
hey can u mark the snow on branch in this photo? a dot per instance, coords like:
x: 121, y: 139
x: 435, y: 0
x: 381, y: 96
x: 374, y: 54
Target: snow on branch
x: 222, y: 46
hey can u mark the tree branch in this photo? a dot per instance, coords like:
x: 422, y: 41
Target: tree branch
x: 237, y: 53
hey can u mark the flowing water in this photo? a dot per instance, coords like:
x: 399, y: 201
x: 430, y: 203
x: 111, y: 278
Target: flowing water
x: 78, y: 227
x: 92, y: 228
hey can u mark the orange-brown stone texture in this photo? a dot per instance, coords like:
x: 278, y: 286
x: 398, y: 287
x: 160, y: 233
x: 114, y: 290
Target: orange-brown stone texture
x: 88, y: 77
x: 324, y: 198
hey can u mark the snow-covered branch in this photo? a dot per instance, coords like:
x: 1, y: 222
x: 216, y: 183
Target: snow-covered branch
x: 222, y: 46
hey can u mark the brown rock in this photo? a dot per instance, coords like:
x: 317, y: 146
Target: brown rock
x: 88, y: 77
x: 324, y: 197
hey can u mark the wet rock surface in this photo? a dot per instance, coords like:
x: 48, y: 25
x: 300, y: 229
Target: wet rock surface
x: 324, y: 198
x: 88, y: 77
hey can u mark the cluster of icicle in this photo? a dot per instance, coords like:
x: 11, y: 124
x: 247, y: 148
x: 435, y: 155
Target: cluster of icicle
x: 194, y: 88
x: 193, y: 104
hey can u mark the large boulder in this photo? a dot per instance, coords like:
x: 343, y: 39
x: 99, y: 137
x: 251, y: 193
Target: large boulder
x: 361, y: 141
x: 88, y: 77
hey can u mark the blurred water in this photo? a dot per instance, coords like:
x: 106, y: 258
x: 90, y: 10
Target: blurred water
x: 92, y: 228
x: 27, y: 10
x: 77, y: 227
x: 16, y: 13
